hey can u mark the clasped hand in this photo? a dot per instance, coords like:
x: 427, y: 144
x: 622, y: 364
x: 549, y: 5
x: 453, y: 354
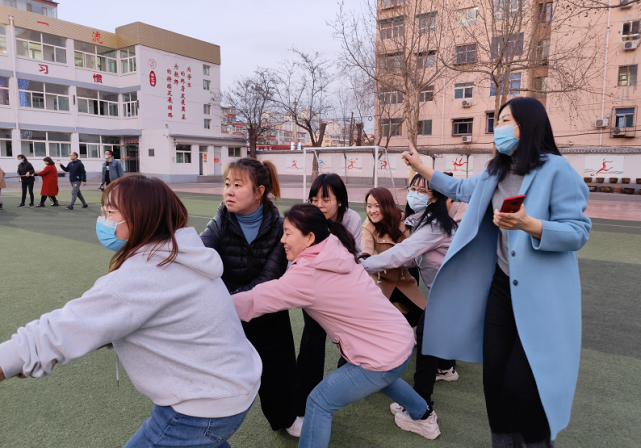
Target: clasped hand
x: 512, y: 221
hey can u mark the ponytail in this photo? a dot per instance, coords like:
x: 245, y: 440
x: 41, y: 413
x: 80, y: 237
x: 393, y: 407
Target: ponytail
x: 259, y: 174
x: 309, y: 219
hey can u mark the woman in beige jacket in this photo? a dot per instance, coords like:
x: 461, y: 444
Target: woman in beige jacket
x: 3, y: 184
x: 382, y: 230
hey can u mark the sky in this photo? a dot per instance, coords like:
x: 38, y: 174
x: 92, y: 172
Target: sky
x: 250, y: 33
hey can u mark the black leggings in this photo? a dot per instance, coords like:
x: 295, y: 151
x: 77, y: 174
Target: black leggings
x: 511, y: 395
x: 44, y: 198
x: 27, y: 185
x: 271, y: 336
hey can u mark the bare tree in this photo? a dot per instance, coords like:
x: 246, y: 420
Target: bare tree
x: 252, y: 97
x: 396, y: 48
x: 539, y: 49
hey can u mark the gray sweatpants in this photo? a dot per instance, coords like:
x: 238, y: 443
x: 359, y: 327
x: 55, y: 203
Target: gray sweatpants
x: 75, y: 193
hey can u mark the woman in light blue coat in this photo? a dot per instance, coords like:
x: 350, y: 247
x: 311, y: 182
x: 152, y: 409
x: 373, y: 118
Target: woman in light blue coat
x: 508, y: 293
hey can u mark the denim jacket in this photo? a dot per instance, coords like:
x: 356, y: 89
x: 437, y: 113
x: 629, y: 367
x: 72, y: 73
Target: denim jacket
x: 115, y: 170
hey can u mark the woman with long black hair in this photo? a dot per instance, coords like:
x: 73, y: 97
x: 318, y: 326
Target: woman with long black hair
x: 26, y: 174
x: 510, y: 283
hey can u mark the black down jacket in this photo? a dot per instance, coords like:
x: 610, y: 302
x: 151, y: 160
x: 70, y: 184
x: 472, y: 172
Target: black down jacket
x: 247, y: 265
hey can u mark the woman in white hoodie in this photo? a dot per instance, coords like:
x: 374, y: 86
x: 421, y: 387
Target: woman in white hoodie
x: 167, y: 313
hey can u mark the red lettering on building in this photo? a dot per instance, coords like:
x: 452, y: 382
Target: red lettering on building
x: 95, y: 37
x: 44, y: 68
x: 97, y: 78
x: 42, y: 23
x: 152, y: 79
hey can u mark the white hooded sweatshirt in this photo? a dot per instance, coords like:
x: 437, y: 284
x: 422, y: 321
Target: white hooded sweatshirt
x: 175, y: 329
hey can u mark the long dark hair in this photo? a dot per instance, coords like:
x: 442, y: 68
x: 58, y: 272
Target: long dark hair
x: 259, y: 173
x: 333, y: 182
x: 391, y: 213
x: 536, y: 139
x: 435, y: 211
x: 309, y: 219
x: 153, y: 214
x: 20, y: 156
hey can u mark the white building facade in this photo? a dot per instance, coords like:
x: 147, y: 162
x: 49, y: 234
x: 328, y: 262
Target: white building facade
x: 142, y: 92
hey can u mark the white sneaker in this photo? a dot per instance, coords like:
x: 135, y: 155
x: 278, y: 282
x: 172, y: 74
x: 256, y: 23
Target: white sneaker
x: 395, y: 408
x: 296, y: 427
x: 428, y: 428
x: 447, y: 375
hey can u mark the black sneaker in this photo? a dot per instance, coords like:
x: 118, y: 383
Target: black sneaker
x: 56, y: 205
x: 85, y: 205
x: 1, y: 207
x: 70, y: 207
x: 30, y: 205
x: 21, y: 205
x: 39, y: 205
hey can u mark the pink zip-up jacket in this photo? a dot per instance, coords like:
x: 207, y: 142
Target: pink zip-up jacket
x: 337, y: 293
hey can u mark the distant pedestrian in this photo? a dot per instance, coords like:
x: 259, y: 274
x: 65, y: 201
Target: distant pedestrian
x: 49, y: 183
x: 77, y: 175
x: 26, y: 173
x: 3, y: 184
x: 111, y: 169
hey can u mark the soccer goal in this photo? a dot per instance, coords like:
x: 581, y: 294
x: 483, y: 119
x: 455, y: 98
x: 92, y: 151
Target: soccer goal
x: 360, y: 167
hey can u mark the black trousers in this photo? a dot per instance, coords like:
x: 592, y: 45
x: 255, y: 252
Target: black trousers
x: 511, y: 395
x: 27, y: 185
x: 272, y: 337
x: 310, y: 365
x: 44, y: 198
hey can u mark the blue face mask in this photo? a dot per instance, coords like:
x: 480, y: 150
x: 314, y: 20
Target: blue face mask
x: 417, y: 201
x: 21, y: 160
x: 505, y: 140
x: 106, y: 157
x: 106, y: 231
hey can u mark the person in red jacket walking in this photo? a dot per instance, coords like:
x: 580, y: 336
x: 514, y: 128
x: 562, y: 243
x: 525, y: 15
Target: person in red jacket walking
x: 49, y: 183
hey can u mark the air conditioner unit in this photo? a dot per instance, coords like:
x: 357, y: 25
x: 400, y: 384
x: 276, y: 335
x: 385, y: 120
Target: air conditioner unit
x: 630, y: 45
x: 618, y: 132
x: 466, y: 103
x: 625, y: 4
x: 466, y: 138
x: 601, y: 123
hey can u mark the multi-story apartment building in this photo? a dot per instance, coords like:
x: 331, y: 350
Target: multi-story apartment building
x: 142, y: 92
x: 457, y: 107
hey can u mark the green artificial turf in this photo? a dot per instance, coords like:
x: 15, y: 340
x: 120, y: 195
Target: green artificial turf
x: 49, y: 256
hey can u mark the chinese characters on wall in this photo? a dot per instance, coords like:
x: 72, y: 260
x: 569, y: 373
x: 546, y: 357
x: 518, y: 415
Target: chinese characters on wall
x: 177, y: 82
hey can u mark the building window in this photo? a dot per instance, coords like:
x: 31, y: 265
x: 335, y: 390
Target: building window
x: 151, y: 152
x: 43, y: 96
x: 426, y: 94
x: 41, y: 46
x: 514, y: 45
x: 390, y: 96
x: 207, y: 123
x: 427, y: 23
x: 630, y: 30
x: 233, y: 152
x: 95, y: 57
x: 424, y: 127
x: 5, y: 143
x: 463, y: 90
x: 426, y: 59
x: 624, y: 118
x: 94, y: 102
x: 110, y: 143
x: 546, y: 10
x: 89, y: 146
x: 183, y: 153
x: 467, y: 17
x: 462, y: 126
x: 392, y: 29
x: 466, y: 54
x: 207, y: 109
x: 206, y: 84
x: 3, y: 39
x: 59, y: 144
x: 392, y: 127
x: 541, y: 86
x: 128, y: 60
x: 130, y: 104
x: 489, y: 120
x: 385, y: 4
x: 515, y: 84
x: 508, y: 8
x: 543, y: 51
x: 4, y: 91
x: 206, y: 70
x: 391, y: 62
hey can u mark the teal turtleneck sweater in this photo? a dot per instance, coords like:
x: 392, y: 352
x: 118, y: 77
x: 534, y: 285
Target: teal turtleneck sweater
x: 250, y: 224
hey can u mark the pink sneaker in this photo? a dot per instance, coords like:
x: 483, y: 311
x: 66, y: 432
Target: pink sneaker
x: 428, y: 428
x: 447, y: 375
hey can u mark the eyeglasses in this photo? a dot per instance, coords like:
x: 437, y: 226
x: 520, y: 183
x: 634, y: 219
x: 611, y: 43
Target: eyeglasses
x: 324, y: 201
x: 105, y: 212
x: 419, y: 190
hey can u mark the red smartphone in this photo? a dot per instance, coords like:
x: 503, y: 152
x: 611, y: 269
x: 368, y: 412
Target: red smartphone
x: 512, y: 204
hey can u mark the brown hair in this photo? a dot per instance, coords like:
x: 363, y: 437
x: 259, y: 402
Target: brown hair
x: 391, y: 213
x: 152, y: 212
x: 259, y: 173
x: 49, y: 161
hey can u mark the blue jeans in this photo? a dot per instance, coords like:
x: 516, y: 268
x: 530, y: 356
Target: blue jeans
x: 168, y: 428
x: 347, y: 385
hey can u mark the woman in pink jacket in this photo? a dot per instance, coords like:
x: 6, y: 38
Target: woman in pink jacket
x: 336, y: 292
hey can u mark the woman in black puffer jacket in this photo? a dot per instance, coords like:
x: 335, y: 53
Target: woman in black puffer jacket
x: 246, y: 233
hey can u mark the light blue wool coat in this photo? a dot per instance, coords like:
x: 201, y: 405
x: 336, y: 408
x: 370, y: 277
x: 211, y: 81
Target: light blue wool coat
x: 544, y: 279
